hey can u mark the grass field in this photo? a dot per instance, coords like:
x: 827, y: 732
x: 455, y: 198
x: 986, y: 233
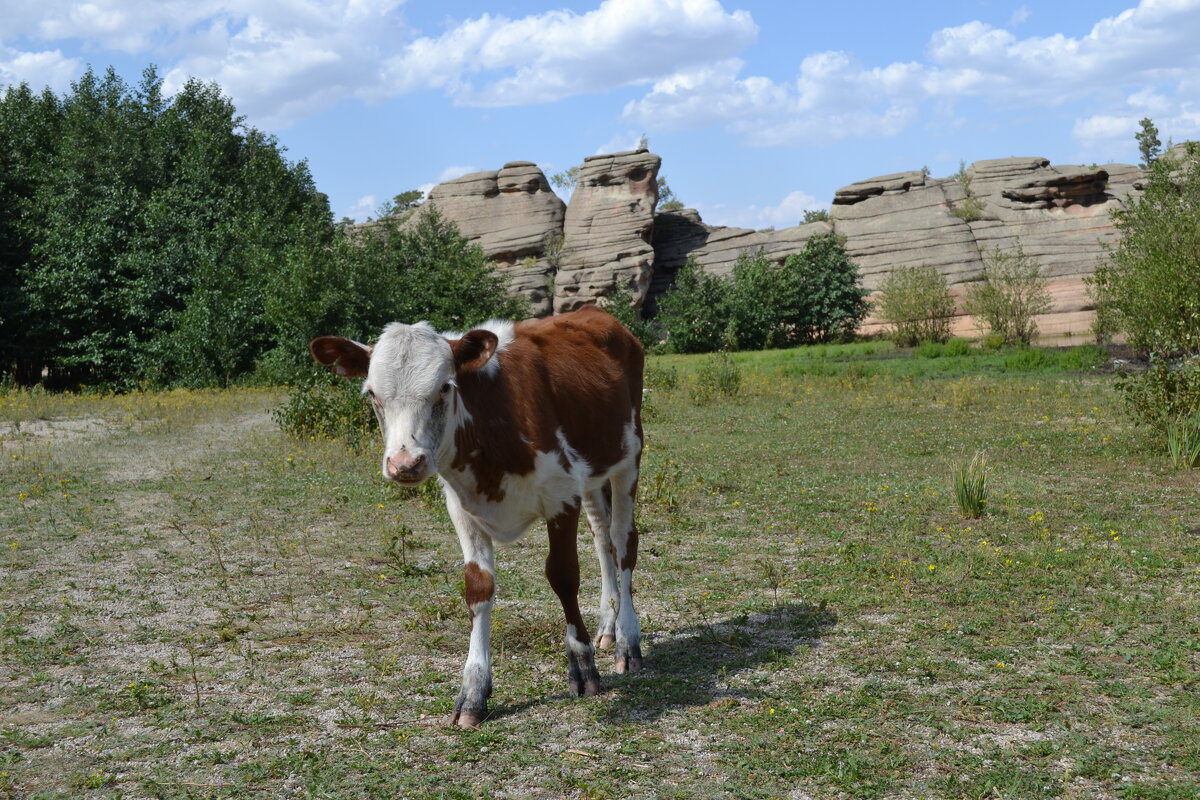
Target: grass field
x: 196, y: 606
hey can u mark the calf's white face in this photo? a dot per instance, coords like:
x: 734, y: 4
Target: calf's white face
x: 410, y: 380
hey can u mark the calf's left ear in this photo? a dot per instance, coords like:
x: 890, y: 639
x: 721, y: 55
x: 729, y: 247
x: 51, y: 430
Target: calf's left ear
x: 473, y: 350
x: 349, y: 358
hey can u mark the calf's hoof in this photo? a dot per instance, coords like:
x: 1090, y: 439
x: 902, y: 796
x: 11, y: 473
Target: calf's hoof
x: 467, y: 720
x: 628, y: 659
x: 604, y: 641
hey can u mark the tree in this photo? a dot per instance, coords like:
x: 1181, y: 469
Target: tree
x: 916, y: 303
x: 1149, y: 286
x: 1148, y: 142
x: 667, y: 200
x: 815, y: 215
x: 695, y: 311
x: 1011, y: 293
x: 566, y: 179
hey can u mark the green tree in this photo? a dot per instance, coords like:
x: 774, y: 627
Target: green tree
x: 815, y: 215
x: 916, y: 303
x: 1010, y: 294
x: 835, y: 303
x: 1148, y: 142
x: 695, y: 311
x: 29, y: 128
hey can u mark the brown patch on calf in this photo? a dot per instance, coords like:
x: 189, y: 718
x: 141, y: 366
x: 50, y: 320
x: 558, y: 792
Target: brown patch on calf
x: 480, y: 586
x: 578, y: 372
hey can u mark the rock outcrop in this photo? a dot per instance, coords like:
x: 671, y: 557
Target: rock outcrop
x: 609, y: 236
x: 514, y: 215
x: 606, y: 233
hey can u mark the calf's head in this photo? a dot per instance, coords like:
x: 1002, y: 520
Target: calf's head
x: 411, y: 379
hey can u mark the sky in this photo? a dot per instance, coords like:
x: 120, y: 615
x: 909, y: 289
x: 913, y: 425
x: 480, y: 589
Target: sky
x: 760, y: 110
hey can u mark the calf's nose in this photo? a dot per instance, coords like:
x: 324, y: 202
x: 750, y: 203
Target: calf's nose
x: 404, y: 466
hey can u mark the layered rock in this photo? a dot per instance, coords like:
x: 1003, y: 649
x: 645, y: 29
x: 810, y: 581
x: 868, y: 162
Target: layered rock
x: 606, y: 231
x: 516, y: 218
x: 609, y: 237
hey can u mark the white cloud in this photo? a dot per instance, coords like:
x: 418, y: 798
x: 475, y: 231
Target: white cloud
x: 787, y: 213
x: 834, y: 96
x: 283, y: 60
x: 1020, y: 16
x: 495, y: 61
x: 46, y: 68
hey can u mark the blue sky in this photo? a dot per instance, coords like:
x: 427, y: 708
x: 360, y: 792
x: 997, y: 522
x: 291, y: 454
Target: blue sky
x: 760, y: 110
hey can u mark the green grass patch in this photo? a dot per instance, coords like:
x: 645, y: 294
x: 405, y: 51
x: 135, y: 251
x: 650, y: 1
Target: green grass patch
x: 819, y: 618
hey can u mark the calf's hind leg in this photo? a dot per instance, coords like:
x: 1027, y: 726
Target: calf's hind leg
x: 562, y: 571
x: 598, y: 503
x: 623, y: 532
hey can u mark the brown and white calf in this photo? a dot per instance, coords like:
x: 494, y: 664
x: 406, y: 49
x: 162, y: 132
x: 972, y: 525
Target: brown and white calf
x: 520, y: 422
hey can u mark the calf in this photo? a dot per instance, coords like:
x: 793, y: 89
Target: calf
x: 520, y: 422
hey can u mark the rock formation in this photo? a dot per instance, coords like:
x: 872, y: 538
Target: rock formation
x: 610, y: 237
x: 606, y: 234
x: 514, y: 215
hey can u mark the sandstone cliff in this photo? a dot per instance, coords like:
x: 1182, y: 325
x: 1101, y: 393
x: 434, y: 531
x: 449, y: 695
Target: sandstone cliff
x: 609, y: 236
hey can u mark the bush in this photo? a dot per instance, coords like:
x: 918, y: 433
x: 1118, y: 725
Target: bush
x: 916, y: 304
x: 930, y: 350
x: 1011, y: 293
x: 1149, y: 286
x: 1166, y: 393
x: 957, y: 347
x: 323, y: 405
x: 619, y: 303
x: 718, y: 375
x: 694, y: 313
x: 834, y: 303
x: 1149, y: 289
x: 814, y: 296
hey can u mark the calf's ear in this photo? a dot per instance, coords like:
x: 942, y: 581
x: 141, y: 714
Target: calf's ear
x: 348, y: 358
x: 473, y: 350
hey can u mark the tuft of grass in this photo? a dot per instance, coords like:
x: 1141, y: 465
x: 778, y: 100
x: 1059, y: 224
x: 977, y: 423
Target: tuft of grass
x: 970, y: 486
x: 1183, y: 442
x: 718, y: 376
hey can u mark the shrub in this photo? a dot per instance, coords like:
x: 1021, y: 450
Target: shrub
x: 958, y: 347
x: 325, y: 406
x: 1149, y: 289
x: 834, y: 302
x: 694, y: 313
x: 814, y: 296
x: 1011, y: 293
x: 1166, y: 393
x: 930, y: 350
x: 718, y: 375
x: 916, y: 304
x: 970, y: 208
x: 619, y: 303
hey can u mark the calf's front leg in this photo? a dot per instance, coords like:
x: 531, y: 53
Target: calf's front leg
x: 479, y: 589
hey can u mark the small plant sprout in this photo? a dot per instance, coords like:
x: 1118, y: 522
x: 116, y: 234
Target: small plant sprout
x: 970, y: 486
